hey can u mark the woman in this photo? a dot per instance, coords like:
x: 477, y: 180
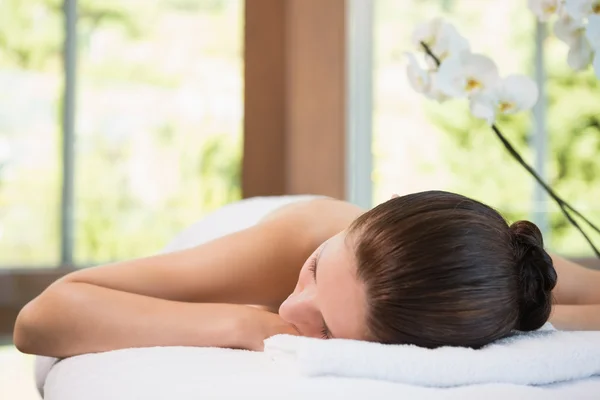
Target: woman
x: 431, y: 269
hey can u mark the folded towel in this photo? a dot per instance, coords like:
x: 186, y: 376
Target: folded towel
x: 533, y: 358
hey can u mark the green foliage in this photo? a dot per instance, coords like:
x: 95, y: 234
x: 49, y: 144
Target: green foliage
x: 30, y: 33
x: 114, y: 222
x: 141, y: 175
x: 220, y: 172
x: 574, y: 130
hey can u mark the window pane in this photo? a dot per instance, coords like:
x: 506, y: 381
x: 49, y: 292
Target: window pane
x: 31, y: 83
x: 158, y: 121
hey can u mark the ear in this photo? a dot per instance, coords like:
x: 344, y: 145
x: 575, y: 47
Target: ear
x: 394, y: 196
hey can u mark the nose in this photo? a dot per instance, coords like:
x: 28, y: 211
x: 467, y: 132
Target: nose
x: 300, y: 310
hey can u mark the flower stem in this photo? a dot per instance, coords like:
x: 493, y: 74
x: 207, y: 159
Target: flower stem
x: 430, y: 53
x: 562, y: 204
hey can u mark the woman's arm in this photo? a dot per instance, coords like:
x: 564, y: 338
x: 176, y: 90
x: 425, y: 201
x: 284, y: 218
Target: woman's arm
x: 577, y: 296
x: 154, y: 301
x: 78, y: 318
x: 75, y: 318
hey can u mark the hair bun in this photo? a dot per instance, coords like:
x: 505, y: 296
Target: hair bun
x: 537, y: 276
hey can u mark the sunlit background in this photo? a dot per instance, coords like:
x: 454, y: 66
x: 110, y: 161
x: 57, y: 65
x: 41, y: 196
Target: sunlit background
x: 159, y: 115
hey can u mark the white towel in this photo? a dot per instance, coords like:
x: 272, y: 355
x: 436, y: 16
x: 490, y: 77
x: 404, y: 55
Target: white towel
x: 534, y: 358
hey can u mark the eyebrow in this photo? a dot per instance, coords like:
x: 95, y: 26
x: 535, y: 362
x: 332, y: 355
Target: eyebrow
x: 316, y: 268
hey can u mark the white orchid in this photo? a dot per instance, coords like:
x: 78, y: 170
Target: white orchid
x: 434, y: 92
x: 418, y: 77
x: 579, y: 9
x: 512, y: 94
x: 442, y: 38
x: 544, y: 9
x: 580, y: 53
x: 422, y: 80
x: 567, y: 28
x: 467, y: 74
x: 451, y: 43
x: 429, y: 32
x: 483, y: 106
x: 573, y: 32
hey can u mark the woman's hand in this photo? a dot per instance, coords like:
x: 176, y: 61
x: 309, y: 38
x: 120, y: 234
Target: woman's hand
x: 256, y: 325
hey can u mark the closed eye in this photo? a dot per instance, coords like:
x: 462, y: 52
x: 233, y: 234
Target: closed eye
x: 313, y: 268
x: 315, y: 260
x: 325, y: 332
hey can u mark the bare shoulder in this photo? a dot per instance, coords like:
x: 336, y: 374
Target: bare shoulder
x: 321, y: 217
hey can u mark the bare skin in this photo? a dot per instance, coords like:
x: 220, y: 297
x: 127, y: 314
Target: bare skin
x: 200, y: 296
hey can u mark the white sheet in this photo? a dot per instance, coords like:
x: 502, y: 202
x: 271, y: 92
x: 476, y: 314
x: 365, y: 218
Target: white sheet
x: 192, y: 374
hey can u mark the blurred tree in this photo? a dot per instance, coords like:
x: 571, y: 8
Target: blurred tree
x: 574, y: 129
x: 220, y: 171
x: 111, y: 218
x: 31, y: 31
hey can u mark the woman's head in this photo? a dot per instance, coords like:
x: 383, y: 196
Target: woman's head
x: 430, y: 269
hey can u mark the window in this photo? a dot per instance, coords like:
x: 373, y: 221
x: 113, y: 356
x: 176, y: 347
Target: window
x: 157, y: 117
x: 421, y: 145
x: 31, y: 80
x: 159, y: 114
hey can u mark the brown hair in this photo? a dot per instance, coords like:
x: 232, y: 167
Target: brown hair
x: 442, y: 269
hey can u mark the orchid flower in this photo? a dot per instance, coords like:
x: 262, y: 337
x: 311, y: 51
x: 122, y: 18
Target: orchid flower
x: 467, y: 74
x: 567, y: 28
x: 461, y: 73
x: 422, y: 80
x: 572, y: 31
x: 441, y: 37
x: 512, y: 94
x: 544, y: 9
x: 418, y: 77
x: 434, y: 92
